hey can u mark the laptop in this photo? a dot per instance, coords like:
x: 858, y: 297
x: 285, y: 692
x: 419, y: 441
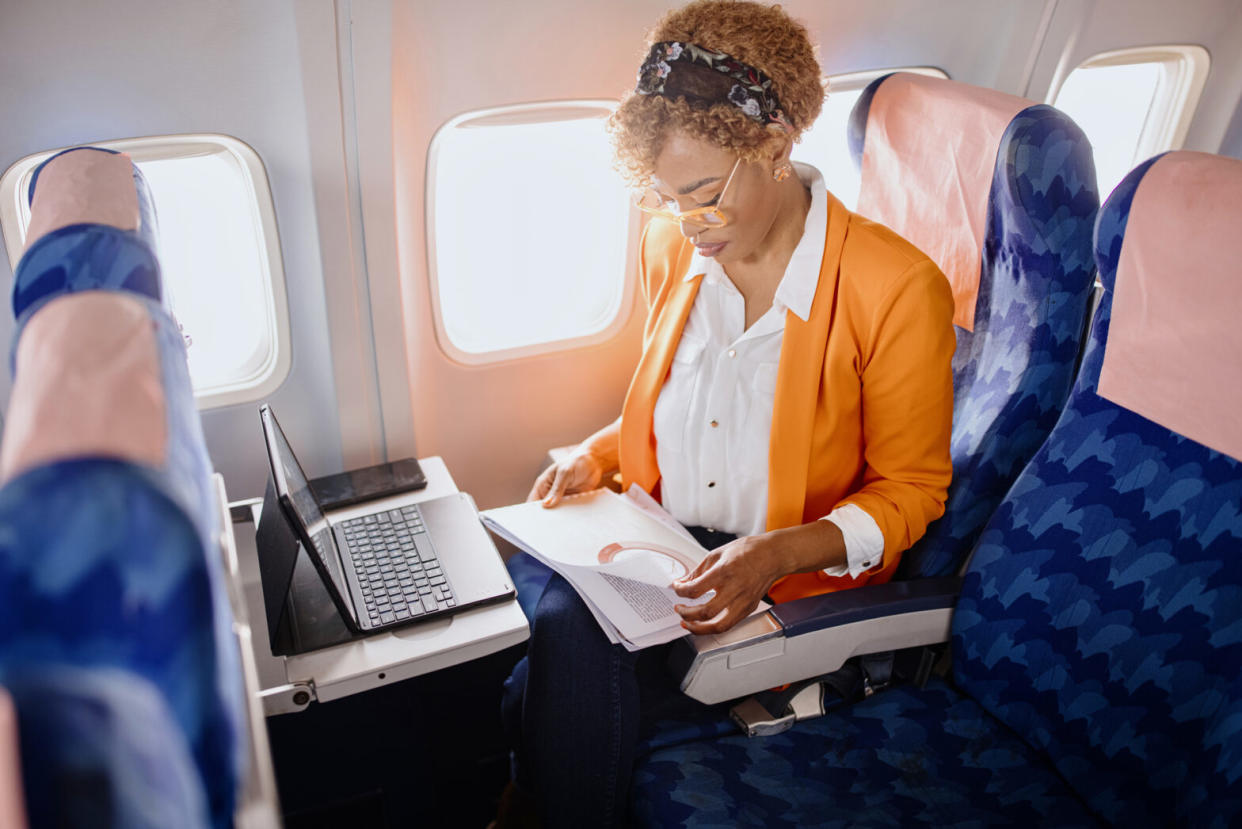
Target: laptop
x: 384, y: 565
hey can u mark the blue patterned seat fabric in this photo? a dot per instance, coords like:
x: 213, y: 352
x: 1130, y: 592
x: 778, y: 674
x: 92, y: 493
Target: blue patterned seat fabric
x: 902, y: 758
x: 1097, y: 671
x: 1102, y: 614
x: 1012, y: 373
x: 115, y: 627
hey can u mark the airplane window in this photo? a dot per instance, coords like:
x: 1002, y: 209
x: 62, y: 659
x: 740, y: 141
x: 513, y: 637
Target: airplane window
x: 1133, y: 104
x: 223, y: 278
x: 528, y: 228
x: 824, y: 146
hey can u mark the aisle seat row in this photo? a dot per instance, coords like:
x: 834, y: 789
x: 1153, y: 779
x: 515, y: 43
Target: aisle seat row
x: 122, y: 700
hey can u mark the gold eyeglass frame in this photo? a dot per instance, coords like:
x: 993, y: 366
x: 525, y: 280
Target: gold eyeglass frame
x: 695, y: 215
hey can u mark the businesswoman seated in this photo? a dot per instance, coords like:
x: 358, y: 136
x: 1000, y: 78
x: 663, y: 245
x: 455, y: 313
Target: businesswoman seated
x: 792, y: 404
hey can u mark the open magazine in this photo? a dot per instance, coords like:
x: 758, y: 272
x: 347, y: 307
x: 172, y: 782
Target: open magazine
x: 620, y: 552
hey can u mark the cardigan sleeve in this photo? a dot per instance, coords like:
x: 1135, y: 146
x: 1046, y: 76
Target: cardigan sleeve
x: 907, y: 407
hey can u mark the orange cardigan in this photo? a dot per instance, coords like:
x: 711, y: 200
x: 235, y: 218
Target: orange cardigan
x: 864, y: 388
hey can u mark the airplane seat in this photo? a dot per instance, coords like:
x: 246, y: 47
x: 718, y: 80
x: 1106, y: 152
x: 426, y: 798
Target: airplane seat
x: 116, y: 641
x: 1097, y: 640
x: 1001, y: 193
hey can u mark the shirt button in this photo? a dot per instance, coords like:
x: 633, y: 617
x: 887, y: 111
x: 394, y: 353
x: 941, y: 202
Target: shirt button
x: 732, y: 352
x: 711, y: 484
x: 714, y: 424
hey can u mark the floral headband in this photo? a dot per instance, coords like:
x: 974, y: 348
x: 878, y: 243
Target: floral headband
x: 704, y: 78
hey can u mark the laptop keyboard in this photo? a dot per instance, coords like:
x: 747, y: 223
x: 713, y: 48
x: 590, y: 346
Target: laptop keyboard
x: 398, y: 572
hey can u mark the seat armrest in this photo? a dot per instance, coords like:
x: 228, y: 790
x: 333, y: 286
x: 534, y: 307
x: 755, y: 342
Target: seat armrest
x: 873, y: 601
x: 813, y: 636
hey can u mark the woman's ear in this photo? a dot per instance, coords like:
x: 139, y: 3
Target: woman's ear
x: 779, y: 146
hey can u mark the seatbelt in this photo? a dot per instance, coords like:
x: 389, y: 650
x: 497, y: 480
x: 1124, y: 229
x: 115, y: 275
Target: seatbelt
x: 772, y: 712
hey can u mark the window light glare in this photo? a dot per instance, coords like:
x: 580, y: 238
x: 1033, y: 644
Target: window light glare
x: 1112, y: 104
x: 530, y: 225
x: 219, y: 255
x: 212, y: 259
x: 824, y: 146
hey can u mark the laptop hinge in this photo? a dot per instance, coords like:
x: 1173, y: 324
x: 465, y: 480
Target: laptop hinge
x: 287, y: 699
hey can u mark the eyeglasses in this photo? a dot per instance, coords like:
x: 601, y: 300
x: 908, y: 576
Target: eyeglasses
x: 710, y: 216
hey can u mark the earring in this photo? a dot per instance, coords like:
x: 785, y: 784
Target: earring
x: 782, y: 172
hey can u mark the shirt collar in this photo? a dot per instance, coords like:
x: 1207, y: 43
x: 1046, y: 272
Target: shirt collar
x: 796, y: 290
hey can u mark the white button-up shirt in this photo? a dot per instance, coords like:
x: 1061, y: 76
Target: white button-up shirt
x: 713, y: 416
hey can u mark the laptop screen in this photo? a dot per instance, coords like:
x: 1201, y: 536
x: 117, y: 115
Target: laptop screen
x: 291, y: 481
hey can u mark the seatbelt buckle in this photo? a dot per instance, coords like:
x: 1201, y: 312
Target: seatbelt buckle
x: 757, y: 721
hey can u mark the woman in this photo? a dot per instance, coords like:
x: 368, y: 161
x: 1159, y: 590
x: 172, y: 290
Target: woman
x: 792, y: 404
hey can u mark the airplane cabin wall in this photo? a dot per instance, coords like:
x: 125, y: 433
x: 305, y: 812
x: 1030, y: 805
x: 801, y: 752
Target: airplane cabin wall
x: 76, y: 72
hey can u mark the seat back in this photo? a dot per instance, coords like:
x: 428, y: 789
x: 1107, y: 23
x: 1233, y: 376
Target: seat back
x: 1101, y: 614
x: 116, y: 640
x: 1000, y: 192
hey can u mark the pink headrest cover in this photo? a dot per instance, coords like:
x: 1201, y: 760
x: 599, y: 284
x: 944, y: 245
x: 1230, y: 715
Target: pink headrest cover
x: 927, y: 167
x: 84, y: 186
x: 87, y: 376
x: 1174, y: 352
x: 87, y: 384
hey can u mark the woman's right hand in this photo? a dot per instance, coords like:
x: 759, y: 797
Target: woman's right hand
x: 580, y: 472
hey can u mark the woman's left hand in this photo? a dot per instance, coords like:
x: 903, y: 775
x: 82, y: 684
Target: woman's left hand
x: 742, y: 571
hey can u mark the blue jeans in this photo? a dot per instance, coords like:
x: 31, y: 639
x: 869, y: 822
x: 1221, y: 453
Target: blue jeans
x: 577, y: 707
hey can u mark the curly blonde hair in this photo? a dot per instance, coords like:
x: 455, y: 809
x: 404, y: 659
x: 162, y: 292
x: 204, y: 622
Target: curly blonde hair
x: 762, y: 36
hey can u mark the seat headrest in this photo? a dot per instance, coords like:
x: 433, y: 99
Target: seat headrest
x: 929, y: 151
x: 92, y: 227
x: 1168, y: 248
x: 83, y: 186
x: 88, y: 377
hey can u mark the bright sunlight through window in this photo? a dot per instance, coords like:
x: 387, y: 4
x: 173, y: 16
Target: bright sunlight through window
x: 211, y: 254
x: 1133, y: 104
x: 824, y: 145
x: 528, y: 226
x: 219, y: 256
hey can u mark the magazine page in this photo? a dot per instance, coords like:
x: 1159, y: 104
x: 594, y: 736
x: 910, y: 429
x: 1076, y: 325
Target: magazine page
x: 598, y: 528
x: 633, y: 600
x: 620, y: 559
x: 642, y: 499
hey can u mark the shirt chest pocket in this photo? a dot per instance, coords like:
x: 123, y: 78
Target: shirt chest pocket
x: 673, y: 410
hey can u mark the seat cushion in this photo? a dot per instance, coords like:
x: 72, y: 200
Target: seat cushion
x: 906, y: 757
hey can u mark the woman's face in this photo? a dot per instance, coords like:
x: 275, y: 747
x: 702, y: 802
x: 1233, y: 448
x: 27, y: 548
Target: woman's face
x: 692, y: 173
